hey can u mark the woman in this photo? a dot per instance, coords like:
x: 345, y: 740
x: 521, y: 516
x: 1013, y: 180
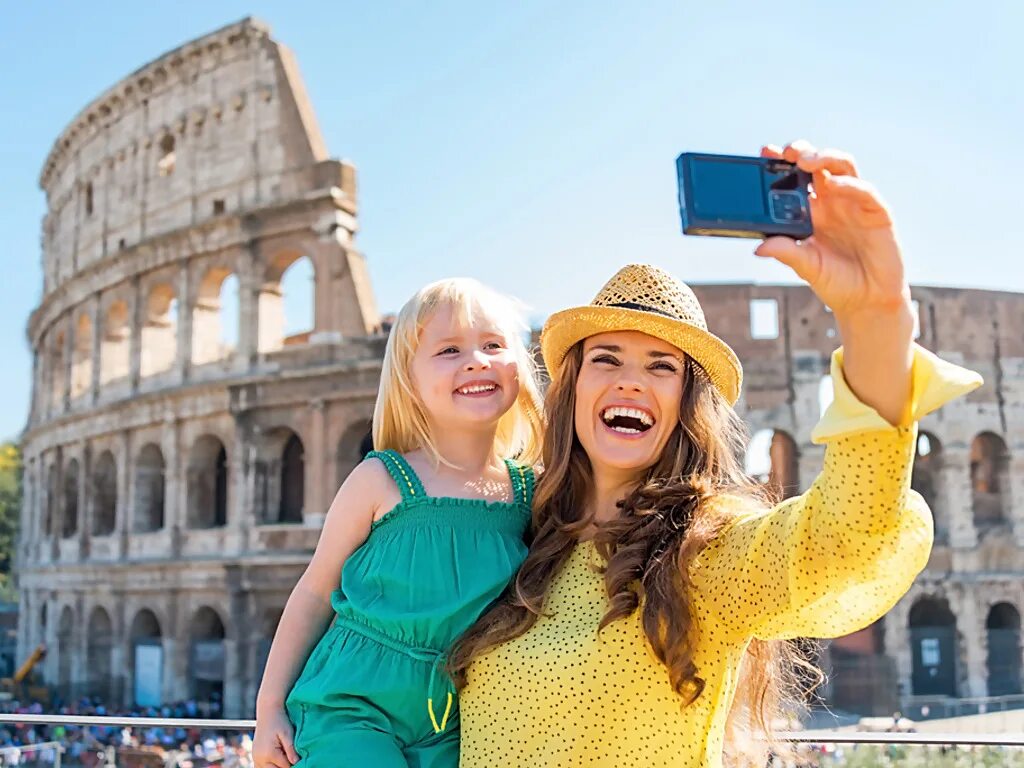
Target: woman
x: 660, y: 587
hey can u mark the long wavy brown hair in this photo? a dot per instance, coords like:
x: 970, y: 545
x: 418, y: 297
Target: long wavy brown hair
x: 665, y: 522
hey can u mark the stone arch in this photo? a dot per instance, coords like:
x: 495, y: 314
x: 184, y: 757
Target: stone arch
x: 927, y: 479
x: 52, y: 505
x: 207, y: 484
x: 56, y: 368
x: 159, y: 330
x: 69, y: 513
x: 81, y: 357
x: 65, y: 649
x: 1002, y: 625
x: 114, y: 346
x: 773, y: 458
x: 287, y: 307
x: 356, y: 441
x: 933, y: 647
x: 293, y: 481
x: 104, y: 495
x: 280, y: 477
x: 214, y: 331
x: 150, y: 479
x: 166, y: 158
x: 990, y: 462
x: 99, y: 647
x: 207, y: 657
x: 147, y: 657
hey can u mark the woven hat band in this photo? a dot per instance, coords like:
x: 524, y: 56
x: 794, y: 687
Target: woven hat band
x: 641, y: 308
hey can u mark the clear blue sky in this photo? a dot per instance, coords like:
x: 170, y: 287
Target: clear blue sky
x: 531, y: 144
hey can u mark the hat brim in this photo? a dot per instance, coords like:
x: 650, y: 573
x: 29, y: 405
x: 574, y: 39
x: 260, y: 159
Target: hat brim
x: 565, y: 328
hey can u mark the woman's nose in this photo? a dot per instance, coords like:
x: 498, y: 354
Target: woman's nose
x: 629, y: 383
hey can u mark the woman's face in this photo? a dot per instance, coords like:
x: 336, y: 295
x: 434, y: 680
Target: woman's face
x: 627, y: 399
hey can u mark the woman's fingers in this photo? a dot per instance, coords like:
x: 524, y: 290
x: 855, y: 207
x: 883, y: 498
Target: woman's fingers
x: 802, y: 256
x: 835, y: 161
x: 859, y: 193
x: 796, y: 149
x: 811, y: 159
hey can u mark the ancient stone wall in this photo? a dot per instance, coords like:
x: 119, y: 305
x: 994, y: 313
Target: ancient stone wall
x: 176, y: 477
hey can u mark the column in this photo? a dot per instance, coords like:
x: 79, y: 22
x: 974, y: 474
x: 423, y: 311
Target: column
x: 176, y: 485
x: 240, y: 516
x: 897, y: 646
x: 136, y: 316
x: 248, y: 307
x: 79, y: 648
x: 1016, y: 499
x: 97, y: 348
x: 183, y: 348
x: 35, y: 414
x: 971, y: 627
x: 119, y: 660
x: 122, y: 523
x: 176, y: 649
x: 236, y: 653
x: 314, y: 508
x: 956, y: 484
x: 66, y: 360
x: 85, y: 503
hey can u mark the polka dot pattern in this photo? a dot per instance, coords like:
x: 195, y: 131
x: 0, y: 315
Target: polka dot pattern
x: 823, y: 564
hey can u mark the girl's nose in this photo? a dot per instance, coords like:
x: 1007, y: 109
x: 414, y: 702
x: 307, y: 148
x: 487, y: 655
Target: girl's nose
x: 477, y: 360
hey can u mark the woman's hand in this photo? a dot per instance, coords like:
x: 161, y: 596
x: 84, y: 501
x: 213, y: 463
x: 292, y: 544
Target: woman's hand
x: 853, y: 263
x: 272, y: 745
x: 853, y: 260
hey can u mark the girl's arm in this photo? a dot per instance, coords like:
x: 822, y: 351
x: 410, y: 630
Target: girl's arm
x: 308, y: 610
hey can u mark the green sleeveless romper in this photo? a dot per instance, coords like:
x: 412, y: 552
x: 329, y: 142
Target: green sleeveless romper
x: 374, y: 692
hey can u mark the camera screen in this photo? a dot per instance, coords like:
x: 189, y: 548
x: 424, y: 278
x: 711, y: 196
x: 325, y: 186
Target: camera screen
x: 727, y: 190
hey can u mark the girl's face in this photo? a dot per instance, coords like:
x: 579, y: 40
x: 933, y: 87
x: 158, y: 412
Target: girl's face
x: 627, y: 399
x: 466, y: 376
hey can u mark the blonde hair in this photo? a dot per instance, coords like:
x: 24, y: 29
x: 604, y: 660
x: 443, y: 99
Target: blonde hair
x: 399, y: 422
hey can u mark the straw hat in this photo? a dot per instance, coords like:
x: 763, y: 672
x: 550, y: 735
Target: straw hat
x: 647, y: 299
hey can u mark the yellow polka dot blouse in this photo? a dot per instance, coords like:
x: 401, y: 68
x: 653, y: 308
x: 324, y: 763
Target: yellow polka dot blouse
x: 822, y: 564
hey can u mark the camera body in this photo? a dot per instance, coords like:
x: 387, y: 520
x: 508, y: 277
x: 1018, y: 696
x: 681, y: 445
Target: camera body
x: 737, y: 196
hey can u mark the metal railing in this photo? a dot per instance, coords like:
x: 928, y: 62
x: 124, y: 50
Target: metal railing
x: 822, y: 740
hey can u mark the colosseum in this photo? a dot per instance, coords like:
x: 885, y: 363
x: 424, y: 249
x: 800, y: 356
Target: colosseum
x: 176, y: 478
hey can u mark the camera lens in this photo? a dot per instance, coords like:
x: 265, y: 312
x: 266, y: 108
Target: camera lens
x: 787, y: 206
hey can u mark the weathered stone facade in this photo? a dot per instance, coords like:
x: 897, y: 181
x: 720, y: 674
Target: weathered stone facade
x: 965, y: 608
x: 175, y: 486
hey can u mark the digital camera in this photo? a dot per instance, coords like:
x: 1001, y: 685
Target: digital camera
x: 736, y: 196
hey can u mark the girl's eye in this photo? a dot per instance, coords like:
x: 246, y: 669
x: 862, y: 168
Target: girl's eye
x: 494, y: 345
x: 448, y: 351
x: 607, y: 359
x: 663, y: 366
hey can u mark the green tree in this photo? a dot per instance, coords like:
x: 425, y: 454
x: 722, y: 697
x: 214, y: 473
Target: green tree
x: 10, y: 507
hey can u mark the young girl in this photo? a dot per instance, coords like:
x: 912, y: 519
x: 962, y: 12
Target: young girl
x: 422, y: 537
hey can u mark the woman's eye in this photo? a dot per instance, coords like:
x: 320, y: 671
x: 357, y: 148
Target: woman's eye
x: 662, y: 366
x: 608, y: 359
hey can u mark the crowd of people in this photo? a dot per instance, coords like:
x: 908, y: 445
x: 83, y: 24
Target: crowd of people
x: 93, y: 746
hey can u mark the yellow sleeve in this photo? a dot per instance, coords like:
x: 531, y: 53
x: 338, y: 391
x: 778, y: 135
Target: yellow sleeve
x: 839, y: 556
